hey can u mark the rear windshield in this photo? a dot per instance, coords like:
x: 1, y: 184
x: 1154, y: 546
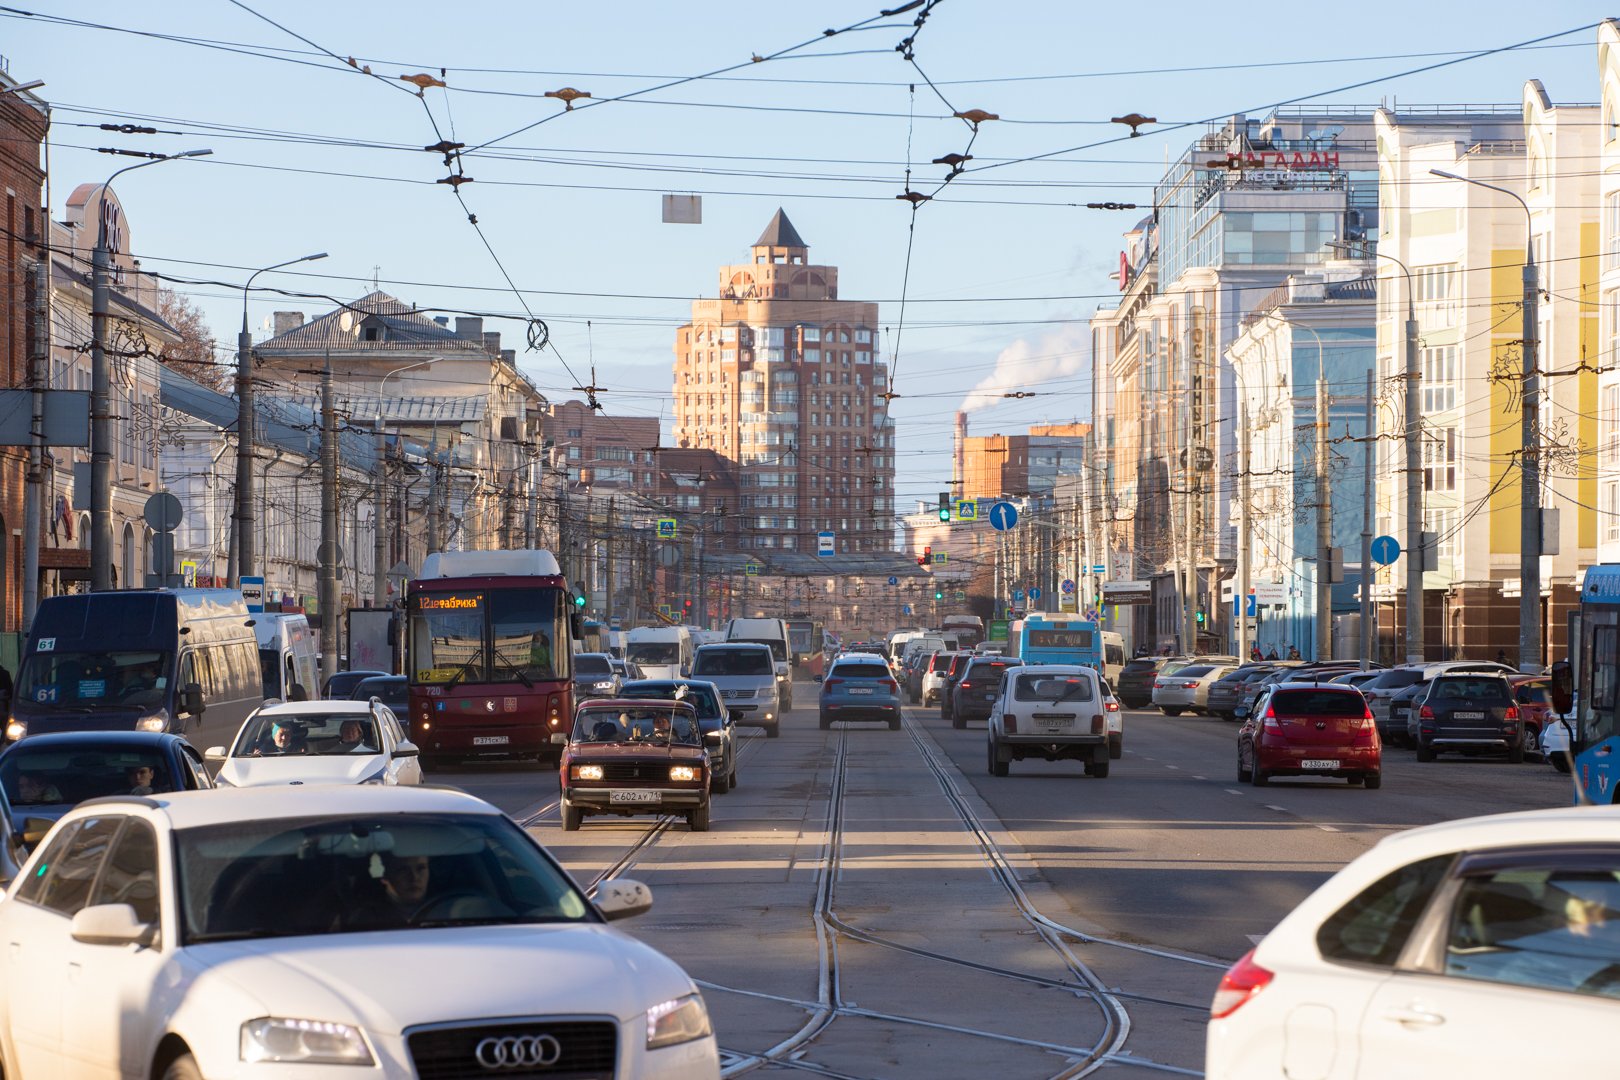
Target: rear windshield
x: 940, y: 662
x: 592, y: 664
x: 1038, y: 687
x: 983, y: 669
x: 1394, y: 680
x: 1469, y: 689
x: 864, y: 670
x: 1194, y: 672
x: 1140, y: 665
x: 778, y: 648
x: 1318, y: 703
x: 1533, y: 694
x: 712, y: 661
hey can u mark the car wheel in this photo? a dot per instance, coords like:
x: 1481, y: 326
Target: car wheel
x: 997, y: 766
x: 571, y: 816
x: 697, y: 819
x: 957, y: 721
x: 1116, y: 745
x: 731, y: 781
x: 1425, y: 753
x: 894, y: 724
x: 183, y: 1067
x: 718, y: 784
x: 1516, y: 753
x: 1373, y: 781
x: 773, y: 731
x: 1098, y: 769
x: 1257, y: 775
x: 1244, y: 775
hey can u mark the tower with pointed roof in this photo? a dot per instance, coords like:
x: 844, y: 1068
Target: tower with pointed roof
x: 780, y: 375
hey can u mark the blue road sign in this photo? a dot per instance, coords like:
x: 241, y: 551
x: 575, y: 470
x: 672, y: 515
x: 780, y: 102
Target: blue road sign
x: 893, y: 580
x: 1385, y: 550
x: 1034, y: 594
x: 967, y: 510
x: 1251, y: 609
x: 1018, y: 594
x: 666, y: 528
x: 1068, y: 586
x: 905, y: 609
x: 1003, y: 516
x: 824, y: 544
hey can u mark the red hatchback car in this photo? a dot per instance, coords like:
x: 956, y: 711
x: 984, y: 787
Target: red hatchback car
x: 1309, y: 729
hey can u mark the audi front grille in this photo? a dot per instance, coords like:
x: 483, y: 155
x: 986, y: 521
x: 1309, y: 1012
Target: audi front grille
x: 516, y: 1050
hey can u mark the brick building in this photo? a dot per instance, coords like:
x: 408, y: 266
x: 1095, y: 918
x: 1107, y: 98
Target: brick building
x: 601, y: 452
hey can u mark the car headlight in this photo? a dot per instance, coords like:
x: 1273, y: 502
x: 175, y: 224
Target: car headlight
x: 602, y: 686
x: 676, y: 1021
x: 152, y: 722
x: 683, y: 772
x: 586, y: 772
x: 16, y: 729
x: 308, y: 1042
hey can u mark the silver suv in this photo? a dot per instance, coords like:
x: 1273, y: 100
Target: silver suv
x: 745, y: 675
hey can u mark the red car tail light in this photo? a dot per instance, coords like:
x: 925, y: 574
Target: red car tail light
x: 1010, y: 722
x: 964, y: 684
x: 1425, y: 713
x: 1111, y: 706
x: 892, y: 685
x: 830, y: 683
x: 1241, y: 982
x: 1513, y: 712
x: 1098, y: 724
x: 1270, y: 722
x: 1158, y: 685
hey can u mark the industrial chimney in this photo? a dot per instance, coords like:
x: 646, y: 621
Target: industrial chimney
x: 959, y: 455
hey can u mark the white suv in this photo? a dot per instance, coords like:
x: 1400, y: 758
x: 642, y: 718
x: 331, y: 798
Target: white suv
x: 276, y: 932
x: 1053, y: 712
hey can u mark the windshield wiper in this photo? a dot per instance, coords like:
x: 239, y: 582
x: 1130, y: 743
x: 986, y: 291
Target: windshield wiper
x: 1071, y: 691
x: 514, y: 669
x: 460, y: 672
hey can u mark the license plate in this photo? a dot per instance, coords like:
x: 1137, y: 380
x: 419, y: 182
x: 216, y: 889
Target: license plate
x: 1468, y: 716
x: 1051, y: 725
x: 491, y: 740
x: 1319, y: 763
x: 632, y: 796
x: 860, y: 689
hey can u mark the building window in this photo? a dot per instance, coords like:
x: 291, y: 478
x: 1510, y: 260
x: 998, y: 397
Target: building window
x: 1610, y: 506
x: 1439, y: 378
x: 1440, y: 460
x: 575, y: 433
x: 1610, y: 236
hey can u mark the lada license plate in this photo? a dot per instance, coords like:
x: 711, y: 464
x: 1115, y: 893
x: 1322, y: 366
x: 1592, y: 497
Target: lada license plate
x: 1319, y: 763
x: 1468, y: 715
x: 632, y: 796
x: 1050, y: 724
x: 860, y: 689
x: 491, y: 740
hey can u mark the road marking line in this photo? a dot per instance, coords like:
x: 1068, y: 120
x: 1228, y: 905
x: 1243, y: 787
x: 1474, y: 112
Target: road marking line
x: 1233, y: 791
x: 1279, y: 809
x: 1326, y: 828
x: 1172, y: 766
x: 1200, y: 778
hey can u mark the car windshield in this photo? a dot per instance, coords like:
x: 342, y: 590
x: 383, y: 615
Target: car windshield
x: 643, y: 725
x: 1318, y: 703
x: 654, y: 652
x: 330, y: 875
x: 591, y: 664
x: 69, y: 680
x: 44, y: 775
x: 701, y: 698
x: 859, y: 670
x: 307, y: 734
x: 1038, y: 686
x: 723, y: 662
x: 1533, y: 694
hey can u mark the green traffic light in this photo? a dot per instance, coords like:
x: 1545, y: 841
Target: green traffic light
x: 579, y: 601
x: 938, y: 595
x: 944, y: 513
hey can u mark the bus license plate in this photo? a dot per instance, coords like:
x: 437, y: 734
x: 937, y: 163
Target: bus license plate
x: 632, y: 796
x: 1319, y: 763
x: 491, y: 740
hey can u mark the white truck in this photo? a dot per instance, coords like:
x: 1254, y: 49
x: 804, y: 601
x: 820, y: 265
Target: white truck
x: 661, y: 652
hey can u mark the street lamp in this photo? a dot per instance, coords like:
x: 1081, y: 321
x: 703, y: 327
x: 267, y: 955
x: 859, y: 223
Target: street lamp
x: 1529, y: 451
x: 101, y: 383
x: 1416, y: 555
x: 20, y: 87
x: 379, y: 550
x: 245, y: 434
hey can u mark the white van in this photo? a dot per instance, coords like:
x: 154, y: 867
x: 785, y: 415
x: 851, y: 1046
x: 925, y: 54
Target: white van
x: 661, y: 652
x: 772, y: 632
x: 287, y: 656
x: 1113, y: 655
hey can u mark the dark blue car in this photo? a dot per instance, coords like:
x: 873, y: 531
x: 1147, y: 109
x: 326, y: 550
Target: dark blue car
x: 45, y: 776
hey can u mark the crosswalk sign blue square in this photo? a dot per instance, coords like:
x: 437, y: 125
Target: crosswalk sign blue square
x: 967, y: 510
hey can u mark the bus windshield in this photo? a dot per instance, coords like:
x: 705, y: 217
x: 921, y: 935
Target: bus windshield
x: 489, y: 636
x: 653, y: 652
x: 70, y: 680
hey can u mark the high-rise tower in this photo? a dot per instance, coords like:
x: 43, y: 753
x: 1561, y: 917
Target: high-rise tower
x: 783, y: 377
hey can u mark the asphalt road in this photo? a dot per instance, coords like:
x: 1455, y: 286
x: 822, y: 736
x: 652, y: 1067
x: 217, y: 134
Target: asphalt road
x: 870, y: 903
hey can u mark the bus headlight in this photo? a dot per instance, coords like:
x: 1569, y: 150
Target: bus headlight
x: 153, y: 722
x: 16, y: 729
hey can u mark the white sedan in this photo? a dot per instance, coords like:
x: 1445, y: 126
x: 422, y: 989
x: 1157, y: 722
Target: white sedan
x: 319, y: 742
x: 1434, y: 954
x: 265, y: 933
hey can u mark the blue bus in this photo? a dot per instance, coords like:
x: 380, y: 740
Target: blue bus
x: 1041, y: 638
x: 1595, y: 659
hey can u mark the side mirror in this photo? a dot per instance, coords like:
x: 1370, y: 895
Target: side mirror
x: 1562, y: 687
x: 111, y: 924
x: 34, y: 830
x: 214, y: 753
x: 620, y: 898
x: 731, y: 717
x: 406, y: 749
x: 190, y: 699
x: 576, y: 626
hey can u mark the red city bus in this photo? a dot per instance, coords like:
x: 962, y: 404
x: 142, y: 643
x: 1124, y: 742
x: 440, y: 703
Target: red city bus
x: 490, y: 656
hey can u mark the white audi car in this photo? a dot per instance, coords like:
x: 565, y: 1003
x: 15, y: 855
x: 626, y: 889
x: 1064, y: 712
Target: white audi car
x: 319, y: 742
x: 265, y: 933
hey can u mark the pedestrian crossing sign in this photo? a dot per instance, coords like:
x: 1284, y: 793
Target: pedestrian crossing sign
x: 666, y: 528
x: 967, y: 510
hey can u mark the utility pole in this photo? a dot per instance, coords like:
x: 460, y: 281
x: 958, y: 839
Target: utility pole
x: 1416, y: 556
x: 100, y: 417
x: 1324, y: 519
x: 607, y: 591
x: 528, y: 513
x: 1530, y: 468
x: 379, y: 522
x: 38, y: 369
x: 1241, y: 599
x: 329, y: 549
x: 1366, y: 530
x: 243, y: 564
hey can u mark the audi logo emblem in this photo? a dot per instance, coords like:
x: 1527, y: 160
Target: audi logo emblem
x: 517, y: 1052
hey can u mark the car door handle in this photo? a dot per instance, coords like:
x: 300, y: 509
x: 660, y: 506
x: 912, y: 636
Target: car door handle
x: 1412, y: 1016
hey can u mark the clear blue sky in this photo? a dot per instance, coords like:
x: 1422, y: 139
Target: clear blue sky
x: 1001, y: 264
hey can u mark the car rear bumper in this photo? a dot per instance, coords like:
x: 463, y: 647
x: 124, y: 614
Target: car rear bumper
x: 1290, y: 761
x: 875, y: 712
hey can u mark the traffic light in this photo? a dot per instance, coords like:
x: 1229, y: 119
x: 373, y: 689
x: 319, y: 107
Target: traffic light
x: 944, y: 506
x: 579, y: 601
x: 687, y: 605
x: 927, y: 556
x: 1200, y: 617
x: 939, y: 594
